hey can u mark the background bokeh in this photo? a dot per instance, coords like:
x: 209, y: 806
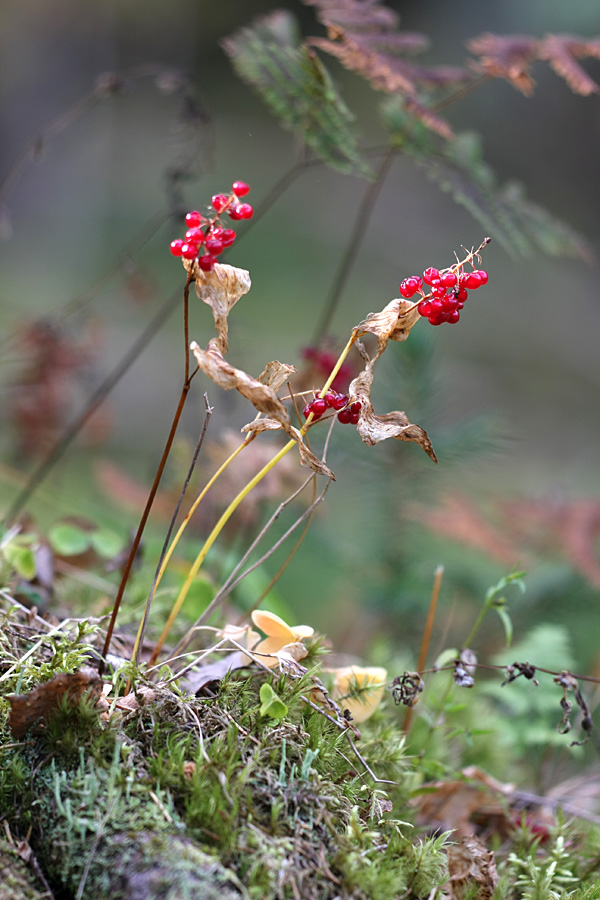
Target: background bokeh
x: 510, y: 397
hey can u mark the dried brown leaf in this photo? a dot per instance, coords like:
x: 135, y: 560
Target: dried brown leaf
x: 507, y: 56
x: 472, y: 870
x: 561, y: 51
x: 307, y: 457
x: 373, y: 428
x: 393, y: 322
x: 262, y: 396
x: 220, y: 289
x: 364, y: 35
x: 276, y: 373
x: 33, y: 709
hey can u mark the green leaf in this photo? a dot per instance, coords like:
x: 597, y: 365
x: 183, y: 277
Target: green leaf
x: 22, y: 559
x: 297, y: 88
x: 69, y: 540
x: 271, y: 704
x: 506, y: 623
x: 106, y: 543
x: 504, y: 211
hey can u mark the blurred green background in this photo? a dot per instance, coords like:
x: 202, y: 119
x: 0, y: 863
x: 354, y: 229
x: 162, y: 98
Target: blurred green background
x: 509, y: 398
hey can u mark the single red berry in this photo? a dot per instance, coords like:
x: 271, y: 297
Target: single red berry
x: 410, y: 286
x: 329, y: 398
x: 356, y: 406
x: 345, y: 416
x: 219, y: 202
x: 215, y: 231
x: 176, y: 247
x: 437, y: 320
x: 189, y: 251
x: 438, y: 290
x: 431, y: 275
x: 461, y: 294
x: 319, y: 406
x: 228, y: 237
x: 307, y: 410
x: 214, y: 246
x: 195, y: 236
x: 354, y: 418
x: 483, y: 276
x: 245, y: 210
x: 436, y: 307
x: 448, y: 279
x: 449, y: 303
x: 453, y: 317
x: 473, y: 281
x: 193, y: 219
x: 240, y: 188
x: 340, y: 401
x: 424, y: 308
x: 206, y: 263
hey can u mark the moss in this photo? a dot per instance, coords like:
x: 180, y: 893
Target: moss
x: 17, y: 882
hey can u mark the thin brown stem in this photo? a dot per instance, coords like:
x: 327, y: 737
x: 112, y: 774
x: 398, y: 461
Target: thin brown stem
x: 435, y: 593
x: 157, y: 478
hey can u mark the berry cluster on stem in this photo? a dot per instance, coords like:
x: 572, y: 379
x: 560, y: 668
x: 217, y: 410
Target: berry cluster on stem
x: 206, y: 238
x: 347, y: 412
x: 444, y: 292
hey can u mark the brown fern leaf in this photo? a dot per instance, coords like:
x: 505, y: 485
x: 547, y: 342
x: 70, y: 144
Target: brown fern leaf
x: 561, y: 51
x: 364, y: 36
x: 507, y: 56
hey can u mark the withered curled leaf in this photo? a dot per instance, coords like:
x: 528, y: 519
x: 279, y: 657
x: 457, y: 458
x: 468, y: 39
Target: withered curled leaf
x: 393, y: 322
x: 373, y: 428
x: 472, y: 870
x: 276, y: 373
x: 28, y: 710
x: 262, y: 396
x: 220, y: 289
x: 307, y: 457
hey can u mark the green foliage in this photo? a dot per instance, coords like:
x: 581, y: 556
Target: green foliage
x: 548, y: 878
x: 297, y: 88
x: 271, y: 704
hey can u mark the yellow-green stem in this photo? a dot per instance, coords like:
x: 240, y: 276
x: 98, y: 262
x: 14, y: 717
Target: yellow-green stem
x: 232, y: 508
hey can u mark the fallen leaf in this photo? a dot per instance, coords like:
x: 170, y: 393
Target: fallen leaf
x: 33, y: 709
x: 276, y: 373
x: 393, y: 322
x: 472, y: 870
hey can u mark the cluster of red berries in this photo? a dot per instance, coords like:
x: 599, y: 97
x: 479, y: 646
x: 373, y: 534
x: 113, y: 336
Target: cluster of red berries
x: 347, y: 415
x: 449, y: 290
x: 205, y: 231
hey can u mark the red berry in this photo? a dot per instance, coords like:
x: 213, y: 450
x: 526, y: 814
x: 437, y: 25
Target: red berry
x: 356, y: 406
x: 240, y: 188
x: 424, y: 308
x: 214, y: 246
x: 437, y: 320
x: 438, y: 290
x: 176, y: 247
x: 189, y: 251
x: 345, y: 416
x: 410, y: 286
x: 307, y: 410
x: 354, y: 418
x: 449, y: 303
x: 436, y: 307
x: 319, y: 406
x: 473, y: 281
x: 228, y: 237
x: 461, y: 294
x: 195, y: 236
x: 453, y: 317
x: 483, y: 276
x: 206, y: 263
x: 219, y: 202
x: 193, y: 219
x: 430, y: 275
x: 448, y: 279
x: 241, y: 211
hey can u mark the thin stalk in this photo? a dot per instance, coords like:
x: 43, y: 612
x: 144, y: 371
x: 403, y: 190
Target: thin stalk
x: 139, y: 640
x: 435, y: 593
x: 157, y: 478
